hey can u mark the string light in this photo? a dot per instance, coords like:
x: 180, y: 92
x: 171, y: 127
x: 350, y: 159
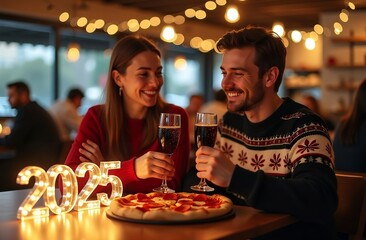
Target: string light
x: 232, y: 15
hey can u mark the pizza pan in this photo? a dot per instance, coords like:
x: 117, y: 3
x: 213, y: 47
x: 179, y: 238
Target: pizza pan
x: 170, y: 222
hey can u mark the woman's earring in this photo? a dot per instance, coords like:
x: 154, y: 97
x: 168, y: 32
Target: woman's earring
x: 120, y: 91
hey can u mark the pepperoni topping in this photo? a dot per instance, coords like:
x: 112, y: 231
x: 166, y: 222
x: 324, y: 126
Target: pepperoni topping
x: 141, y: 197
x: 183, y: 208
x: 201, y: 197
x: 125, y: 202
x: 147, y: 206
x: 170, y: 196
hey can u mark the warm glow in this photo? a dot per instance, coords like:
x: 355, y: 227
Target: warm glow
x: 99, y: 24
x: 27, y: 210
x: 318, y: 29
x: 64, y: 17
x: 279, y: 29
x: 314, y: 35
x: 343, y: 16
x: 285, y: 42
x: 133, y: 25
x: 310, y: 44
x: 179, y: 20
x: 296, y: 36
x: 351, y: 5
x: 179, y: 40
x: 81, y: 22
x: 168, y: 34
x: 90, y: 28
x: 190, y: 13
x: 210, y: 5
x: 196, y: 42
x: 112, y: 29
x: 145, y: 24
x: 73, y: 52
x: 180, y: 63
x: 200, y: 14
x: 221, y: 2
x: 155, y: 21
x: 232, y: 14
x: 168, y: 19
x: 337, y: 28
x: 206, y: 45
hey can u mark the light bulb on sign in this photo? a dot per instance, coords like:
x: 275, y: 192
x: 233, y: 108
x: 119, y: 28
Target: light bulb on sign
x: 26, y: 210
x: 94, y: 180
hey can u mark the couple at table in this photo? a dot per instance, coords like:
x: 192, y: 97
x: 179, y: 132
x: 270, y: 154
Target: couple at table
x: 274, y: 154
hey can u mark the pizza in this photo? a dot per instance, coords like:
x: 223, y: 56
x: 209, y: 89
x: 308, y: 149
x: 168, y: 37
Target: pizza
x: 172, y: 207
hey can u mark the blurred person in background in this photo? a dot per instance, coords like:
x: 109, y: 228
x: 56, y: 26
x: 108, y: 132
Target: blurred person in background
x: 34, y: 135
x: 218, y: 105
x: 350, y: 136
x: 66, y: 115
x: 67, y: 118
x: 125, y: 128
x: 313, y: 104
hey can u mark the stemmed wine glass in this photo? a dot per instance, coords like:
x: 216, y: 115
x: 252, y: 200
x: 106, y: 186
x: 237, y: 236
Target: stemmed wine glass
x: 169, y: 133
x: 205, y: 131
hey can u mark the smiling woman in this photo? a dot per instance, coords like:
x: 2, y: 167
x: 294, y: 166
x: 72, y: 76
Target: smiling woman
x: 125, y: 128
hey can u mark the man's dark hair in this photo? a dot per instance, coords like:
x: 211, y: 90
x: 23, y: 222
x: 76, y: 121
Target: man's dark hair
x: 269, y: 48
x: 75, y: 92
x: 20, y: 86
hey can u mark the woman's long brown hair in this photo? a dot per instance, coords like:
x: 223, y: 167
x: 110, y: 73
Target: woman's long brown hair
x: 114, y: 114
x: 351, y: 123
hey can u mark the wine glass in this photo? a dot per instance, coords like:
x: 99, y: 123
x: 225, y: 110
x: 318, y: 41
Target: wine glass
x: 169, y: 133
x: 205, y: 131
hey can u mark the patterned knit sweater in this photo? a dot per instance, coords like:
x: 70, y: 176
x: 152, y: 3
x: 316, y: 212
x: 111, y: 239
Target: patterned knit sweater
x: 283, y: 164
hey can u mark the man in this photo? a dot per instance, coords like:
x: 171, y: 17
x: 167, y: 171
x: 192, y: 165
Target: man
x: 34, y: 136
x: 275, y: 154
x: 66, y: 114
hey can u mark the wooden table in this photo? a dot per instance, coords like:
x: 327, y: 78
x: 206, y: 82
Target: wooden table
x: 247, y: 223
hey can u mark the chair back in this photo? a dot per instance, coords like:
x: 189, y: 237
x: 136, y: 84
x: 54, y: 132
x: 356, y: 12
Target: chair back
x: 350, y: 216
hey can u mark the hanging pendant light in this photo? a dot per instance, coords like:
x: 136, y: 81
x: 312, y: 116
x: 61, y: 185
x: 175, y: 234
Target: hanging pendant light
x: 73, y: 52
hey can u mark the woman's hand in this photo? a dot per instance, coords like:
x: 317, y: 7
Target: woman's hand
x: 91, y: 152
x: 154, y: 165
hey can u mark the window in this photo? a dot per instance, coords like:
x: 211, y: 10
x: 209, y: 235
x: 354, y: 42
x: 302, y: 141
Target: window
x: 183, y: 75
x: 26, y: 53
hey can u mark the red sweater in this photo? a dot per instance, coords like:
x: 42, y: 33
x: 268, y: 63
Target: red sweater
x: 92, y: 129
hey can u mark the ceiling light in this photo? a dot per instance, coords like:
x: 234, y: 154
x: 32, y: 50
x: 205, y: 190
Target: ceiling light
x: 180, y: 63
x: 296, y: 36
x: 310, y: 44
x: 232, y: 14
x: 73, y: 52
x: 168, y: 34
x: 279, y: 29
x: 318, y: 29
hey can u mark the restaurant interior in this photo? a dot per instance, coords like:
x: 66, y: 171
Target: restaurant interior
x: 55, y: 45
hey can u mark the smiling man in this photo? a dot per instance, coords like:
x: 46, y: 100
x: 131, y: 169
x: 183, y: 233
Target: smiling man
x: 274, y: 154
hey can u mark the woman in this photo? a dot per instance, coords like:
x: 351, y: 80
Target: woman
x: 350, y: 137
x: 125, y: 128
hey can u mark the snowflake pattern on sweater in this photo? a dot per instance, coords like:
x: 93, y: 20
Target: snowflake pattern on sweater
x: 292, y: 135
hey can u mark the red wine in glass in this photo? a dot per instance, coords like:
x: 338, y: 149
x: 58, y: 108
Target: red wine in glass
x: 205, y: 131
x: 168, y: 134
